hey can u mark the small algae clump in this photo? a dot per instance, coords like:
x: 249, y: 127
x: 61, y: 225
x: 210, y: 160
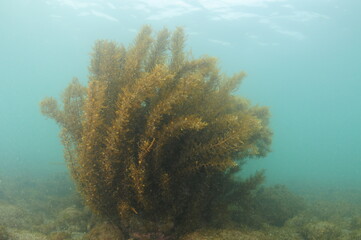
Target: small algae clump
x: 104, y: 231
x: 157, y: 136
x: 60, y: 236
x: 321, y: 231
x: 4, y: 235
x: 73, y: 219
x: 227, y: 234
x: 275, y: 205
x: 13, y: 216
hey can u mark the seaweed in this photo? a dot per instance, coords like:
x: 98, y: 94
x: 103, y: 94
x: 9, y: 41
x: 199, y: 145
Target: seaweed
x: 155, y: 139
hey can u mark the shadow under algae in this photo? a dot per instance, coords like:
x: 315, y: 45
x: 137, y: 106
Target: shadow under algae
x: 155, y: 139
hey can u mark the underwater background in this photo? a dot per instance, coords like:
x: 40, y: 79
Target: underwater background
x: 302, y: 59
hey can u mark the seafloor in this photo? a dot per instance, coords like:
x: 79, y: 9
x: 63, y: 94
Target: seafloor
x: 39, y: 208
